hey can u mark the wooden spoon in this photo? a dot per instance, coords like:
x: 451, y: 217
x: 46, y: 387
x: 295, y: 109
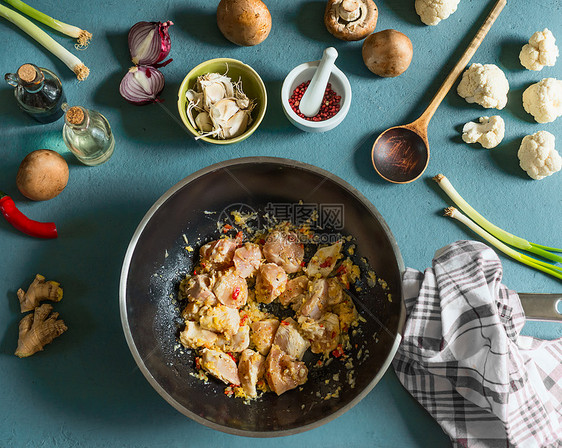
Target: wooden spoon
x: 401, y: 153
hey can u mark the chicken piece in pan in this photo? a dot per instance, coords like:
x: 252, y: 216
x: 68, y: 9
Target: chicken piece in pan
x: 231, y: 290
x: 251, y: 368
x: 221, y: 319
x: 247, y: 259
x: 237, y: 343
x: 193, y: 336
x: 285, y: 250
x: 315, y: 305
x: 324, y: 260
x: 217, y: 254
x: 282, y: 372
x: 290, y: 340
x: 270, y: 282
x: 295, y: 288
x: 220, y: 365
x: 263, y: 333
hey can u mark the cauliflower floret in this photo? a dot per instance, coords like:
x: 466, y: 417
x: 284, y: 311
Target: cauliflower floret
x: 431, y: 12
x: 540, y: 51
x: 543, y: 100
x: 485, y: 85
x: 489, y: 132
x: 538, y: 156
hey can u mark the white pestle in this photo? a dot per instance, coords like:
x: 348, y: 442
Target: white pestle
x: 312, y: 99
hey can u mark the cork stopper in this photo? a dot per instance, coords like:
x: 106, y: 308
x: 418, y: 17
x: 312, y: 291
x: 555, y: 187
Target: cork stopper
x: 75, y: 115
x: 27, y: 73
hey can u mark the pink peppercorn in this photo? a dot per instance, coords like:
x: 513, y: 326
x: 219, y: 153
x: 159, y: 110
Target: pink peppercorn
x: 330, y: 103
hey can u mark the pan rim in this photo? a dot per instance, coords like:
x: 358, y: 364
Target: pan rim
x: 127, y: 262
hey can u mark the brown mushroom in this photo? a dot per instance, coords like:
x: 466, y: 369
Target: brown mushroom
x: 387, y: 53
x: 244, y: 22
x: 42, y: 175
x: 351, y: 19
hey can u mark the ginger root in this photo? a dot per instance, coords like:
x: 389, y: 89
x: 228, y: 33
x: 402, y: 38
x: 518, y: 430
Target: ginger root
x: 38, y: 291
x: 38, y: 329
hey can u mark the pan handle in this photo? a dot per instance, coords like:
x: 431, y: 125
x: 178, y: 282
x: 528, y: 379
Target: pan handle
x: 542, y: 306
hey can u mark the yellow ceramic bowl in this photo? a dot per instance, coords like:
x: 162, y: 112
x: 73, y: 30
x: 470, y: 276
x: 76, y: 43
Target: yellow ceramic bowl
x: 252, y: 86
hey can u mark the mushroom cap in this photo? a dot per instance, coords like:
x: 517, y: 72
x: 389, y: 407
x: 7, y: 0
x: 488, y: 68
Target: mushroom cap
x: 387, y: 53
x: 361, y: 18
x: 244, y: 22
x: 42, y: 175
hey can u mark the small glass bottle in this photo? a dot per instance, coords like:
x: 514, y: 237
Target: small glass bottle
x: 88, y: 135
x: 38, y: 92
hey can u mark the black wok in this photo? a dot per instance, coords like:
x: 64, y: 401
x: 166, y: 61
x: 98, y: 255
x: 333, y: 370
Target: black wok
x: 157, y: 260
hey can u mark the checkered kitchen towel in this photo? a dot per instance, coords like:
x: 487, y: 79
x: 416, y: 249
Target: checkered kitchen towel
x: 463, y: 359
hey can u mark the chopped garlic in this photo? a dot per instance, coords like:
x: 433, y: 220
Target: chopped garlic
x: 371, y: 279
x: 223, y: 109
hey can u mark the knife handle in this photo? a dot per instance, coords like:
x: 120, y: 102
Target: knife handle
x: 542, y: 306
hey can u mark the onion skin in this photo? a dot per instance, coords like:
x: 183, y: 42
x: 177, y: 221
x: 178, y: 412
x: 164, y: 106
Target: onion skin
x: 134, y: 92
x: 158, y: 49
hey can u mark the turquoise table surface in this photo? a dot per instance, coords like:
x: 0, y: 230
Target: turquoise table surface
x: 85, y: 389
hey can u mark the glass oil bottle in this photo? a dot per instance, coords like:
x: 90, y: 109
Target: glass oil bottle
x: 38, y: 92
x: 87, y: 135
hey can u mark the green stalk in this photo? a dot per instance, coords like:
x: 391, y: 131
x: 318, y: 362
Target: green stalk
x: 83, y: 36
x: 71, y: 61
x: 452, y: 212
x: 506, y: 237
x: 540, y: 246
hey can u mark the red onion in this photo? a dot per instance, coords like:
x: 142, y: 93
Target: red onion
x: 141, y: 85
x: 149, y: 43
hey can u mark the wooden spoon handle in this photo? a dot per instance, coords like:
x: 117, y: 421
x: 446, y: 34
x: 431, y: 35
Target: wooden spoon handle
x: 457, y: 69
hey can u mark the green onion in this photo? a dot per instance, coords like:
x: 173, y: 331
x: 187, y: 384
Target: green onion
x: 506, y: 237
x: 75, y: 64
x: 83, y: 36
x: 555, y: 271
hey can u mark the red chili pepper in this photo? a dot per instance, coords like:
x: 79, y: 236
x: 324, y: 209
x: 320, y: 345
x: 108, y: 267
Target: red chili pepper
x: 232, y: 357
x: 243, y: 320
x: 342, y: 269
x: 198, y: 363
x: 235, y: 293
x: 23, y: 223
x: 226, y: 228
x: 239, y: 237
x: 338, y: 352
